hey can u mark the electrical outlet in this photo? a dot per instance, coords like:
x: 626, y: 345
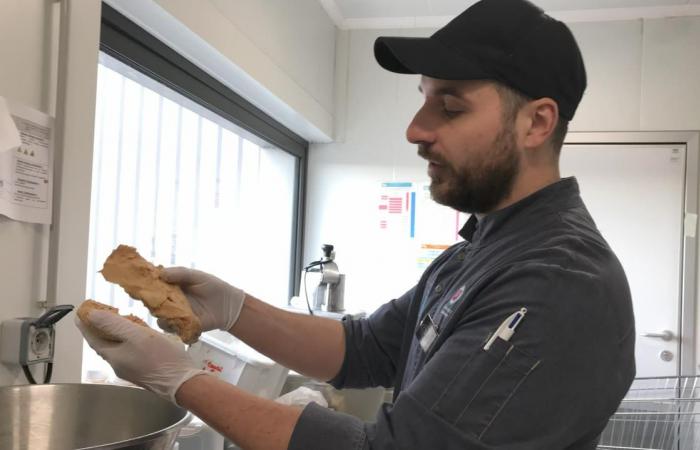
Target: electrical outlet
x: 40, y: 344
x: 23, y: 343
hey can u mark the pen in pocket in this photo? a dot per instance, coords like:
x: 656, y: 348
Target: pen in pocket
x: 507, y: 328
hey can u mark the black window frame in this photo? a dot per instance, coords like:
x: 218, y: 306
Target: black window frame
x: 127, y: 42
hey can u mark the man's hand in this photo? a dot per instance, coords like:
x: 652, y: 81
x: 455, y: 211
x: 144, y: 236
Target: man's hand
x: 142, y: 356
x: 214, y: 301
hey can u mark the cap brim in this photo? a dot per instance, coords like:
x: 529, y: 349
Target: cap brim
x: 425, y: 56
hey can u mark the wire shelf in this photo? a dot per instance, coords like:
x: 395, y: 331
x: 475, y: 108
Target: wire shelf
x: 657, y: 414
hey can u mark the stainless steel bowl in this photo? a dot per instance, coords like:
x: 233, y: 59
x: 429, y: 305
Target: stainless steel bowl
x: 86, y: 416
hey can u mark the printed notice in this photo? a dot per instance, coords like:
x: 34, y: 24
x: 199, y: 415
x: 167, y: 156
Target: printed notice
x: 427, y: 254
x: 436, y: 223
x: 397, y: 209
x: 26, y: 169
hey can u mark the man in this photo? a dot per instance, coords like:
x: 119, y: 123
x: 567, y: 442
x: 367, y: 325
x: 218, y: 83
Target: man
x: 520, y: 337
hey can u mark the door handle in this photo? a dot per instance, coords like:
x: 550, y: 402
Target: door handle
x: 665, y: 335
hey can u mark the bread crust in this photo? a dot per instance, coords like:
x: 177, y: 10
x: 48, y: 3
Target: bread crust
x: 141, y: 280
x: 91, y: 305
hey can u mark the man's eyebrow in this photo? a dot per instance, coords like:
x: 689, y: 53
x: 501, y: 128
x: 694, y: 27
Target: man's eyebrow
x: 447, y: 90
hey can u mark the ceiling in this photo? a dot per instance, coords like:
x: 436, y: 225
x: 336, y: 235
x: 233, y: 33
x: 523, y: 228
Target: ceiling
x: 349, y: 14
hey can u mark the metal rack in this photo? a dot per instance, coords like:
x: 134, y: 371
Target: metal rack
x: 657, y: 414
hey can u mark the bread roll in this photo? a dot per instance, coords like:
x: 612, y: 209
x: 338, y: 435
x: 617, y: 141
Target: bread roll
x: 141, y: 280
x: 91, y: 305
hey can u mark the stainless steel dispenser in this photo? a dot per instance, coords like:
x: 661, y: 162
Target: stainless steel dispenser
x: 322, y: 284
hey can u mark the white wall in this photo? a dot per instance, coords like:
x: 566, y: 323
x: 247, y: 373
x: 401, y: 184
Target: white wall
x: 643, y: 75
x: 75, y: 114
x: 28, y: 48
x: 21, y: 81
x: 277, y: 54
x: 298, y: 36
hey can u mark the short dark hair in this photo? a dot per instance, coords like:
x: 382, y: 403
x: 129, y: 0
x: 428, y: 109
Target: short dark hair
x: 513, y: 101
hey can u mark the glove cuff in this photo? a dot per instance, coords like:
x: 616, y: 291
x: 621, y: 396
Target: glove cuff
x: 187, y: 375
x: 235, y: 304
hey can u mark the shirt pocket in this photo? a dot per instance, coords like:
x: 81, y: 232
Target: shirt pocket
x: 483, y: 386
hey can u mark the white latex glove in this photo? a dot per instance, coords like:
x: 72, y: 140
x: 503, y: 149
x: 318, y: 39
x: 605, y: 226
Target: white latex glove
x: 143, y: 356
x: 214, y: 301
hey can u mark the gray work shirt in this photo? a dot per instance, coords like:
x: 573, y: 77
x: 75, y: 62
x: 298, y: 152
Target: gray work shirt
x: 553, y: 385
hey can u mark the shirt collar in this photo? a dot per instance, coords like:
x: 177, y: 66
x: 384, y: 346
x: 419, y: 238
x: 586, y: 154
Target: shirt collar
x: 557, y: 196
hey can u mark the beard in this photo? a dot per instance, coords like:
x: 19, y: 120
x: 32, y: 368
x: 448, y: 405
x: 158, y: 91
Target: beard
x: 481, y: 186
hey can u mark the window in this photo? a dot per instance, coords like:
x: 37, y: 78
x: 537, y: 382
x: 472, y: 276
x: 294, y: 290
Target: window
x: 187, y: 186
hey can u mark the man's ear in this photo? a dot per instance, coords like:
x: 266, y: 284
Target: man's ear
x: 542, y: 115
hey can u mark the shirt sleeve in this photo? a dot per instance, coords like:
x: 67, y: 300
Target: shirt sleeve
x: 553, y: 385
x: 373, y: 346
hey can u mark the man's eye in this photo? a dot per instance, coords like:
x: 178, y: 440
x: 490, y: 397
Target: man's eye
x: 451, y: 112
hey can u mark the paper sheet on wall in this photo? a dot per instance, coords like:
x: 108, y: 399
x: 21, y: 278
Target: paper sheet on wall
x: 414, y: 228
x: 437, y: 226
x: 427, y: 253
x: 397, y: 209
x: 436, y: 223
x: 26, y: 163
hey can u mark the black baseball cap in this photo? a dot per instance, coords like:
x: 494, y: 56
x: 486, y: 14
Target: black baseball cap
x: 510, y: 41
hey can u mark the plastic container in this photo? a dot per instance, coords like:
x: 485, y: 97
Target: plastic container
x: 233, y: 361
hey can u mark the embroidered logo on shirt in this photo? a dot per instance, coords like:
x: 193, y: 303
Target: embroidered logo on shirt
x: 449, y: 306
x: 457, y: 295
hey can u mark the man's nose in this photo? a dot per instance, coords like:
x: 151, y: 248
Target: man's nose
x: 419, y: 130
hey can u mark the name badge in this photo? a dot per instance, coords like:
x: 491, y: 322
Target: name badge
x: 427, y: 332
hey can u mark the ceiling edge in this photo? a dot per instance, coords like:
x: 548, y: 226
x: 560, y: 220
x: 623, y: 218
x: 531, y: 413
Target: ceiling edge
x: 583, y: 15
x: 333, y: 12
x: 613, y: 14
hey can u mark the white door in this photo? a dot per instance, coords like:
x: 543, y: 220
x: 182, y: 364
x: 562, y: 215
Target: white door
x: 636, y: 195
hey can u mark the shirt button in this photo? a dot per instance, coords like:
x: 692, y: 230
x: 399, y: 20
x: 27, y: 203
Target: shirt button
x: 438, y: 288
x: 460, y: 256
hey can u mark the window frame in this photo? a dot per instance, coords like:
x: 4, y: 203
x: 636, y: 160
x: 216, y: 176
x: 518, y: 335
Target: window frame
x: 127, y: 42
